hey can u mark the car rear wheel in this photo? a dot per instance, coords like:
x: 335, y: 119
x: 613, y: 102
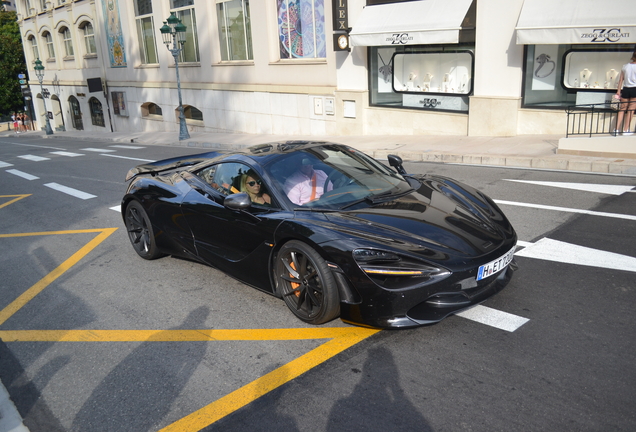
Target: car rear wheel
x: 306, y: 283
x: 140, y: 232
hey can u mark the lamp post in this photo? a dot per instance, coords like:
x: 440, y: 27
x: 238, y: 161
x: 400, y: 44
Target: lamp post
x: 174, y: 31
x: 39, y: 73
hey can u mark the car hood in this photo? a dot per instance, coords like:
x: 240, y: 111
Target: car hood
x: 441, y: 215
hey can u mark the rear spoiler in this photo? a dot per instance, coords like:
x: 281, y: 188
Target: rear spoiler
x: 155, y: 168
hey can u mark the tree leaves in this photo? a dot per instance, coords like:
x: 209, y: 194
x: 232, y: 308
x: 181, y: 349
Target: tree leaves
x: 12, y: 61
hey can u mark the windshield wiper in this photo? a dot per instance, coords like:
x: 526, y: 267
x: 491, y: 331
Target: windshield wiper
x: 316, y: 209
x: 368, y: 198
x: 377, y: 198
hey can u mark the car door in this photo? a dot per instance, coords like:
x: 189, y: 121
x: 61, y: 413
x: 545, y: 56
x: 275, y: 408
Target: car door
x: 237, y: 242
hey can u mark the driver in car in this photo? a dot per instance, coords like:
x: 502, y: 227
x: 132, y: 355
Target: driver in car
x: 306, y: 184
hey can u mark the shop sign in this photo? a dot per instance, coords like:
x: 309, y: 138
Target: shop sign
x: 455, y: 103
x: 340, y: 16
x: 602, y: 35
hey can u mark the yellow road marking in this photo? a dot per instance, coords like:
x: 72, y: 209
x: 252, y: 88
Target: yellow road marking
x: 25, y: 297
x: 179, y: 335
x: 341, y: 338
x: 268, y: 382
x: 19, y: 197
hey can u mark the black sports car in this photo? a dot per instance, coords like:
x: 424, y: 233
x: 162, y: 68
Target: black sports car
x: 328, y: 229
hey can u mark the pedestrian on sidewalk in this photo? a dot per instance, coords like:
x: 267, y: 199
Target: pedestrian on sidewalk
x: 21, y: 118
x: 16, y: 123
x: 626, y: 90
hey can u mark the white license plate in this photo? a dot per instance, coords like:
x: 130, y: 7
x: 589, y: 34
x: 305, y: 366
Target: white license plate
x: 495, y: 266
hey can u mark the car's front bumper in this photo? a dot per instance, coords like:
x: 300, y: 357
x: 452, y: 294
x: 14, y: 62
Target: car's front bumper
x: 421, y: 306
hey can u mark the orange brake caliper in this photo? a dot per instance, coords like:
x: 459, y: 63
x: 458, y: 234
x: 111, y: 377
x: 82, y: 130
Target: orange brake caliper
x: 294, y: 285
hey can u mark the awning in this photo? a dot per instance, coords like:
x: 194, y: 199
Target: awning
x: 410, y: 23
x: 576, y: 22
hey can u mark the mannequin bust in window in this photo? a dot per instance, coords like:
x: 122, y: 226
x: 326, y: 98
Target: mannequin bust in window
x: 584, y: 76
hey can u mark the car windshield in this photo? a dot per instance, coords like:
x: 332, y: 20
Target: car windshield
x: 334, y: 177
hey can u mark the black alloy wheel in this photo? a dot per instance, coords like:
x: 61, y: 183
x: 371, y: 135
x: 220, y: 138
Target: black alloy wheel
x: 306, y: 283
x: 140, y: 232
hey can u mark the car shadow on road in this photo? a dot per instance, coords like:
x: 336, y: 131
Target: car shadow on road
x: 139, y: 392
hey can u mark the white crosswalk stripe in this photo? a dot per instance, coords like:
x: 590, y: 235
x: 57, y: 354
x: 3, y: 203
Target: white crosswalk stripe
x: 96, y: 150
x: 22, y: 174
x: 69, y: 154
x: 70, y: 191
x: 34, y: 158
x: 587, y: 187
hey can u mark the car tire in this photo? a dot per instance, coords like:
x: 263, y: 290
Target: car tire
x: 306, y: 283
x: 140, y: 232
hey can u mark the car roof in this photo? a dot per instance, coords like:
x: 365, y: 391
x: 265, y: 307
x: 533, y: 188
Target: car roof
x: 264, y: 153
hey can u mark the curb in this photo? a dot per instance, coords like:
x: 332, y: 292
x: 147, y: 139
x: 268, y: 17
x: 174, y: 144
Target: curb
x: 577, y: 164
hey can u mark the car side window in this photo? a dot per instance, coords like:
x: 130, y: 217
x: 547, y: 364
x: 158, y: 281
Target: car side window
x: 224, y: 177
x: 233, y: 177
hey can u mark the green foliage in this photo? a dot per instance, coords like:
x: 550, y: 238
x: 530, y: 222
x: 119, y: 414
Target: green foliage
x: 13, y: 63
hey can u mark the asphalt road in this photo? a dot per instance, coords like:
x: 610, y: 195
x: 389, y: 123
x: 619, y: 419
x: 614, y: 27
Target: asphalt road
x: 96, y: 339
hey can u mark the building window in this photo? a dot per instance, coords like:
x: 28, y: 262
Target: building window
x: 558, y: 76
x: 429, y: 77
x: 89, y: 37
x: 34, y: 47
x: 151, y: 109
x: 301, y: 29
x: 28, y: 7
x: 68, y: 41
x: 192, y: 113
x: 234, y: 29
x: 145, y: 32
x: 49, y: 45
x: 120, y: 103
x: 97, y: 113
x: 184, y: 10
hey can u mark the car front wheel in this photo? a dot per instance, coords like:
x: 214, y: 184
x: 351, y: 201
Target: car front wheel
x: 306, y: 283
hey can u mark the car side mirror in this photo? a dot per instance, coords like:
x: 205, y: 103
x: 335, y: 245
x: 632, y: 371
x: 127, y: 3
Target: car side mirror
x: 396, y: 162
x: 239, y: 201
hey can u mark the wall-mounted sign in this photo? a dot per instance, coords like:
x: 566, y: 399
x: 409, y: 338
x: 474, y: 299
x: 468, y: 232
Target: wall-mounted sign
x: 340, y: 16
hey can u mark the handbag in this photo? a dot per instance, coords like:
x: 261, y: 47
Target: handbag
x: 616, y: 103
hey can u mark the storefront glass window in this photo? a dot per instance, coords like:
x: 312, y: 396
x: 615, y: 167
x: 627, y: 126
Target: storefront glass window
x: 432, y: 78
x: 558, y: 76
x: 301, y: 29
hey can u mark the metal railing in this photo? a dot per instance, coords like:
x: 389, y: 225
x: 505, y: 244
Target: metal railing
x: 595, y: 119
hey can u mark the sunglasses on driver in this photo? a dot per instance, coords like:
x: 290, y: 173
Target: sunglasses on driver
x: 255, y: 182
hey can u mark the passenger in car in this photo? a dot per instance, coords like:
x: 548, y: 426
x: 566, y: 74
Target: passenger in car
x: 253, y: 186
x: 306, y: 184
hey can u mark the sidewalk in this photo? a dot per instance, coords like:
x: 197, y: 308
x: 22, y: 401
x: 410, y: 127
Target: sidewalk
x: 525, y: 151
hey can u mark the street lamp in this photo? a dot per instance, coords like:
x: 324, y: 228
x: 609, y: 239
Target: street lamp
x: 174, y: 31
x: 39, y: 72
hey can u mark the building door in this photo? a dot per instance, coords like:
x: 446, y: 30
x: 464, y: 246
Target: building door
x: 76, y: 113
x: 97, y: 113
x: 58, y: 117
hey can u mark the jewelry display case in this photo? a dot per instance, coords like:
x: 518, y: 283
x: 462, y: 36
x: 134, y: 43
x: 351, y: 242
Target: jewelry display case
x: 441, y: 73
x: 593, y: 69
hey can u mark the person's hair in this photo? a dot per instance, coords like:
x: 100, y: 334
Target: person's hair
x: 634, y: 56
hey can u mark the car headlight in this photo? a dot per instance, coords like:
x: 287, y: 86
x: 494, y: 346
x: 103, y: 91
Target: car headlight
x: 393, y: 271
